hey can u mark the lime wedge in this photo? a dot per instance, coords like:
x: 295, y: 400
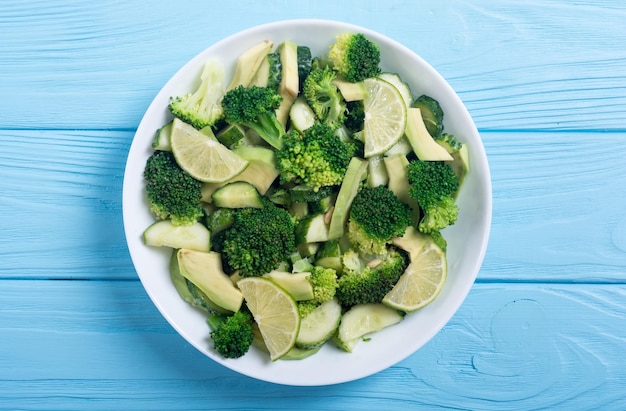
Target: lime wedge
x: 275, y: 312
x: 202, y: 155
x: 385, y: 116
x: 421, y: 282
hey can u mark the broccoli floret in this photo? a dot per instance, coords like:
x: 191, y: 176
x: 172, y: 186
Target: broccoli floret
x: 232, y: 335
x: 324, y: 98
x: 376, y: 216
x: 259, y: 240
x: 438, y: 216
x: 202, y: 108
x: 324, y: 282
x: 315, y: 158
x: 306, y: 307
x: 369, y: 283
x: 355, y: 57
x: 255, y: 108
x: 172, y: 193
x: 449, y: 141
x: 433, y: 184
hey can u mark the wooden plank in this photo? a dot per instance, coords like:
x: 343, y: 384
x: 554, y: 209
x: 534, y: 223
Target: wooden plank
x: 517, y: 64
x: 61, y: 202
x: 558, y: 211
x: 102, y: 345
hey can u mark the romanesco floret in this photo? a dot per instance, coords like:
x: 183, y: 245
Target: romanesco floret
x: 232, y: 335
x: 355, y: 57
x: 172, y: 193
x: 255, y: 108
x: 373, y: 281
x: 315, y: 158
x: 433, y: 184
x: 202, y: 108
x: 324, y: 98
x: 376, y: 216
x: 259, y: 240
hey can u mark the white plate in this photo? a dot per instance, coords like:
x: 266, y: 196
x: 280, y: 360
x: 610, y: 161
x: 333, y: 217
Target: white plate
x: 467, y: 239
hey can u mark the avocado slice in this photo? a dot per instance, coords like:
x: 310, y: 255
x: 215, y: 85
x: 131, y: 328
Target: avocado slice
x: 425, y: 147
x: 249, y: 62
x: 205, y: 271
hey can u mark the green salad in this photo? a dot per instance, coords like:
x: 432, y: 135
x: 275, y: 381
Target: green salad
x: 304, y: 197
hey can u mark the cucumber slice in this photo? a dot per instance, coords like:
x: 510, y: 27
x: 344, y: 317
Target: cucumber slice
x: 400, y: 84
x: 312, y: 229
x: 432, y: 114
x: 319, y: 326
x: 329, y: 256
x: 364, y: 319
x: 230, y: 135
x: 301, y: 115
x: 162, y: 138
x: 304, y: 194
x: 300, y: 354
x: 237, y: 195
x: 257, y: 153
x: 165, y: 234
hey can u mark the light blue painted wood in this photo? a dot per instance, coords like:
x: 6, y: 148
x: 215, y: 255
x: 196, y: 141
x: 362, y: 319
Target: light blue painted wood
x: 558, y: 207
x: 542, y: 329
x: 102, y: 345
x: 518, y: 65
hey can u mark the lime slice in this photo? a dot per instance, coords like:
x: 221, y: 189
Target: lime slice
x: 385, y: 116
x: 421, y: 282
x: 202, y: 155
x: 274, y: 311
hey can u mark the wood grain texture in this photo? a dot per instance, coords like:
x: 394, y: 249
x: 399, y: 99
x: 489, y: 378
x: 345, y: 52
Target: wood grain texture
x: 517, y: 64
x: 543, y: 328
x: 558, y: 207
x: 75, y: 345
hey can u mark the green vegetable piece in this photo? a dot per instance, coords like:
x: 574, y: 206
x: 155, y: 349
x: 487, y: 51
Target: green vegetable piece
x: 205, y: 271
x: 353, y: 177
x: 172, y: 193
x: 239, y: 194
x: 259, y: 240
x: 319, y: 325
x: 432, y: 114
x: 355, y: 57
x: 165, y: 234
x: 232, y: 335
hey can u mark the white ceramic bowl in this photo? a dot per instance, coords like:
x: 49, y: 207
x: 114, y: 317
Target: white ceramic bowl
x: 467, y: 239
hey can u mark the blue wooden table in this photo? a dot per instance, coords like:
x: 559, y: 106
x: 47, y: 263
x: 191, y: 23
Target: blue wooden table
x: 544, y: 327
